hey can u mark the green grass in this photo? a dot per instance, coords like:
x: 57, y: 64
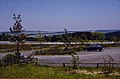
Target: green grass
x: 42, y: 72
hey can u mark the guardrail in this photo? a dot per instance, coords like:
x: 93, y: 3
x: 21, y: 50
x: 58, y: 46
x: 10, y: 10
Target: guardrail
x: 35, y: 42
x: 83, y: 64
x: 60, y: 43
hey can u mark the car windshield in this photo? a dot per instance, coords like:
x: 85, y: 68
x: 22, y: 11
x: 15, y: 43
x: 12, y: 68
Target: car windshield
x: 94, y: 45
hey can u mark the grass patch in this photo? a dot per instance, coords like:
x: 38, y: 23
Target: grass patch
x: 42, y: 72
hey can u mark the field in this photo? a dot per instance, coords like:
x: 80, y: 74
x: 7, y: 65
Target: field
x: 42, y: 72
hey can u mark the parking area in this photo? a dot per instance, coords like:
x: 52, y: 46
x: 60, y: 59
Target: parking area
x: 91, y: 56
x: 84, y: 57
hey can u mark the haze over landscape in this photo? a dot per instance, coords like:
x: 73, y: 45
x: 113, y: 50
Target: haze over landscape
x: 55, y: 15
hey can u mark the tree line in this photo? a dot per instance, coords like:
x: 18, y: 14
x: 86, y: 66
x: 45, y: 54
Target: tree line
x: 73, y: 37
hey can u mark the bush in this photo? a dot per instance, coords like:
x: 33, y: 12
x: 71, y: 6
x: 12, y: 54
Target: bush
x: 53, y: 52
x: 0, y: 62
x: 108, y: 67
x: 9, y: 59
x: 75, y: 61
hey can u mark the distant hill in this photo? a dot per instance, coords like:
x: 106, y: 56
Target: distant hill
x: 35, y: 33
x: 103, y: 31
x: 113, y: 34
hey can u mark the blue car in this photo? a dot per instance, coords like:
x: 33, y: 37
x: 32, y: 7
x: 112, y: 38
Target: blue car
x: 94, y: 47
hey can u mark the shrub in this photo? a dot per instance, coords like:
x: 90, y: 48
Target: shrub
x: 37, y: 52
x: 75, y: 61
x: 9, y: 59
x: 53, y: 52
x: 118, y: 65
x: 108, y: 65
x: 0, y: 62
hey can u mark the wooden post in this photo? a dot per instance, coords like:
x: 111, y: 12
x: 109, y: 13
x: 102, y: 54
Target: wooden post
x: 63, y: 64
x: 97, y: 65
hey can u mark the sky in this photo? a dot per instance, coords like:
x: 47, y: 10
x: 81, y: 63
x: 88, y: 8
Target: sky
x: 55, y: 15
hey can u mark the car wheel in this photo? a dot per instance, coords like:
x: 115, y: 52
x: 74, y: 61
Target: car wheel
x: 97, y: 50
x: 86, y: 50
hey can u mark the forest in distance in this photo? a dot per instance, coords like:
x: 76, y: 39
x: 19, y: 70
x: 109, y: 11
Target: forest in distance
x: 77, y: 36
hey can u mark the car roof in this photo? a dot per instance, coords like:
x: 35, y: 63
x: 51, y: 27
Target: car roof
x: 95, y: 45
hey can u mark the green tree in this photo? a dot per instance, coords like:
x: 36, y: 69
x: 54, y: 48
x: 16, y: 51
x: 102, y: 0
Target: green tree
x: 40, y: 38
x: 66, y: 38
x: 98, y: 36
x: 17, y: 35
x: 4, y: 36
x: 9, y: 59
x: 47, y: 38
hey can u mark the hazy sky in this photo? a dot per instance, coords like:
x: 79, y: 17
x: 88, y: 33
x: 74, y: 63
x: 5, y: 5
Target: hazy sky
x: 55, y: 15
